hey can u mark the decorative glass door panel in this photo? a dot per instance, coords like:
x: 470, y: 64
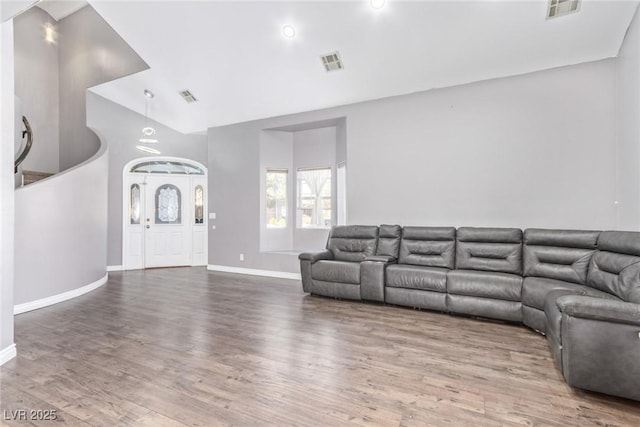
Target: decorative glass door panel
x: 167, y: 236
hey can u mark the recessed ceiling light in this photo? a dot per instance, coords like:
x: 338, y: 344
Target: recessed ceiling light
x: 377, y: 4
x: 288, y: 31
x: 148, y: 93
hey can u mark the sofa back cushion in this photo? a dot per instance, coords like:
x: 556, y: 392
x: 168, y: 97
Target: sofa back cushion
x: 353, y: 242
x: 389, y: 240
x: 559, y: 254
x: 615, y: 267
x: 489, y: 249
x: 428, y: 246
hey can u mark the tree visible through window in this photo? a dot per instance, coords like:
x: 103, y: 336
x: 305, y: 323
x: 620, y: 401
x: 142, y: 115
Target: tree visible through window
x: 314, y: 198
x: 276, y: 189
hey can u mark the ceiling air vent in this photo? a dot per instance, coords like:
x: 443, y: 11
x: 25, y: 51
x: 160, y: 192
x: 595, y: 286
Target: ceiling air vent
x: 332, y: 62
x: 558, y: 8
x: 187, y: 96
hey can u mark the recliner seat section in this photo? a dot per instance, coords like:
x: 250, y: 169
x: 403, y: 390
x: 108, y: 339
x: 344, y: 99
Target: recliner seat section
x: 599, y: 345
x: 580, y: 288
x: 487, y: 280
x: 336, y: 272
x: 419, y: 279
x: 553, y: 260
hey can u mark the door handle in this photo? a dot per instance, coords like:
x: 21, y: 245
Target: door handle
x: 148, y: 226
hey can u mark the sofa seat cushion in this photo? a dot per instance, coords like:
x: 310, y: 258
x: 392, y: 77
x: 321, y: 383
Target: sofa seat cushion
x: 336, y: 271
x: 536, y: 289
x: 417, y: 277
x: 502, y: 286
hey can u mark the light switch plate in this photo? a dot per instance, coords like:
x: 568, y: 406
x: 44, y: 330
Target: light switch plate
x: 212, y: 215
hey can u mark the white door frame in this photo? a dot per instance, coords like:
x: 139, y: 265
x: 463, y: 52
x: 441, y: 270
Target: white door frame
x: 126, y: 188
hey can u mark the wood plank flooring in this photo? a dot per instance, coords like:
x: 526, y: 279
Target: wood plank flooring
x: 174, y: 347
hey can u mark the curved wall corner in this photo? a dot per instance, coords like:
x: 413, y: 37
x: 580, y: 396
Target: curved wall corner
x: 61, y: 234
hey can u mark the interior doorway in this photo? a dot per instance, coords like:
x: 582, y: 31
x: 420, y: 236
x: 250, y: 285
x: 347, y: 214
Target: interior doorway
x: 164, y: 206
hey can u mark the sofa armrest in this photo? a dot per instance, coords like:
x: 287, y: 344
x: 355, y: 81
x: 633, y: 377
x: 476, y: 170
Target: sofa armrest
x: 606, y: 310
x: 381, y: 258
x: 315, y: 256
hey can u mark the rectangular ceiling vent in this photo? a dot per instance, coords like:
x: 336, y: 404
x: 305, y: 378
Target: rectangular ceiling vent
x: 332, y: 62
x: 558, y: 8
x: 187, y: 96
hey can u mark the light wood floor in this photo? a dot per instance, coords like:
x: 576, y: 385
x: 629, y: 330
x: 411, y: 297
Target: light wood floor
x: 190, y: 347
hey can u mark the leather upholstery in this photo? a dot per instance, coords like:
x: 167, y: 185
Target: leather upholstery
x: 381, y: 258
x: 417, y: 277
x: 534, y: 318
x: 416, y: 298
x: 336, y: 290
x: 536, y: 289
x: 428, y: 246
x: 502, y: 286
x: 601, y: 356
x: 489, y: 249
x: 389, y: 240
x: 559, y: 254
x: 608, y: 310
x: 353, y: 242
x: 583, y: 239
x: 615, y: 267
x: 485, y: 307
x: 315, y: 256
x: 554, y: 324
x: 621, y: 242
x: 372, y: 280
x: 305, y: 275
x: 336, y: 271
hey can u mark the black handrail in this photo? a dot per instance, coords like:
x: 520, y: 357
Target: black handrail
x: 27, y: 147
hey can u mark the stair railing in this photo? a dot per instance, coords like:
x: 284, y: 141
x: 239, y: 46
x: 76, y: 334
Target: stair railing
x: 25, y: 152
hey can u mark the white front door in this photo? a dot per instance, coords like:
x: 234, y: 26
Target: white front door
x: 167, y: 213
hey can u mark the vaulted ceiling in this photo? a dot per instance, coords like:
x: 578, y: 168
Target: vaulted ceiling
x: 233, y: 57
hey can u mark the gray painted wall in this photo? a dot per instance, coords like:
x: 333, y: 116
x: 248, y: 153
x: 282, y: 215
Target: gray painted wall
x: 122, y: 139
x: 36, y: 85
x: 6, y: 183
x: 628, y: 114
x: 535, y: 150
x: 61, y: 231
x: 88, y: 46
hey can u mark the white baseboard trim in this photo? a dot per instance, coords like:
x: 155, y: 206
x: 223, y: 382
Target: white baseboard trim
x: 115, y: 267
x: 8, y: 354
x: 44, y: 302
x: 254, y: 272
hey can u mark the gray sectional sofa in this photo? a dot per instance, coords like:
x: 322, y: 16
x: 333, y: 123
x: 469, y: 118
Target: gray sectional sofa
x: 579, y: 288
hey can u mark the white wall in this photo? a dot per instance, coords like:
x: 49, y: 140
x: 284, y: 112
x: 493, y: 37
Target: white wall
x: 535, y: 150
x: 121, y: 128
x: 628, y: 127
x: 6, y: 189
x: 36, y: 85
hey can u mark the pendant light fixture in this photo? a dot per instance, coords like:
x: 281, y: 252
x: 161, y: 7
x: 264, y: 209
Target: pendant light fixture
x: 148, y: 131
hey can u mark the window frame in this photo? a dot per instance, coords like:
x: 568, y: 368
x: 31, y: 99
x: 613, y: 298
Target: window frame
x: 285, y: 172
x: 331, y: 195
